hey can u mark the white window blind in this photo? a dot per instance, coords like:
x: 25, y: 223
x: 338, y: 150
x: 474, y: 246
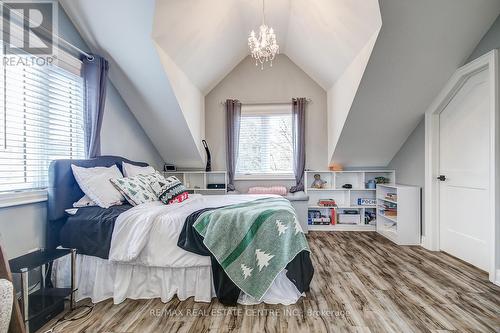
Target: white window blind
x: 265, y: 143
x: 41, y: 119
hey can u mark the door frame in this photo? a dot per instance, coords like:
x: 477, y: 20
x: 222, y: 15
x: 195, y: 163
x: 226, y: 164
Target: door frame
x: 430, y: 241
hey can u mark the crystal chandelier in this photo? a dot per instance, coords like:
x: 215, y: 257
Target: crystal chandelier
x: 263, y: 47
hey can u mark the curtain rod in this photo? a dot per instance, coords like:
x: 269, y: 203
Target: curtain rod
x: 74, y: 47
x: 308, y: 100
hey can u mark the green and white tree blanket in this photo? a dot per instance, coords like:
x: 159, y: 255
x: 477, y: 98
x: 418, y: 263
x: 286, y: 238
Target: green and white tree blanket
x: 253, y: 241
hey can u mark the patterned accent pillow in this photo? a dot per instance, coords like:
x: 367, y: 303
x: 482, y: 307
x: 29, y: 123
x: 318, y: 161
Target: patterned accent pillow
x: 155, y: 180
x: 168, y: 190
x: 173, y: 191
x: 135, y: 189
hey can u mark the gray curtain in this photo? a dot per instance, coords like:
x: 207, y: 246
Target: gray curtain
x: 95, y: 75
x: 299, y: 142
x: 233, y: 118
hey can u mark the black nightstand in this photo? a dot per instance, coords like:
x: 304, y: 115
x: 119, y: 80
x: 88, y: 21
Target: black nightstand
x: 42, y: 305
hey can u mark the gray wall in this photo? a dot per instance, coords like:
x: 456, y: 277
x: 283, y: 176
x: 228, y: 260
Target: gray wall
x: 121, y: 133
x: 409, y: 162
x: 281, y: 82
x: 22, y: 228
x: 490, y: 41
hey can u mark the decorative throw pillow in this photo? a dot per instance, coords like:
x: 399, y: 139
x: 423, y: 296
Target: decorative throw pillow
x: 95, y: 183
x: 135, y: 189
x: 169, y: 190
x: 130, y: 170
x: 155, y: 180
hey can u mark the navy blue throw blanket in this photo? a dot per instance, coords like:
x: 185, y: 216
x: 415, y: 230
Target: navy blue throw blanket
x: 89, y: 231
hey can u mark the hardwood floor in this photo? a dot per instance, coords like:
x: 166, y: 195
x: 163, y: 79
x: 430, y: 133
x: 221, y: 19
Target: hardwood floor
x: 362, y: 283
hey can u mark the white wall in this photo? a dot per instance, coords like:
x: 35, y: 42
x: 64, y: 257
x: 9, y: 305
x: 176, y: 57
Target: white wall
x: 281, y: 82
x: 22, y: 228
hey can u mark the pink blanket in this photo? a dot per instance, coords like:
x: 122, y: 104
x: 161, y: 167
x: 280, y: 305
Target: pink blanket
x: 279, y: 190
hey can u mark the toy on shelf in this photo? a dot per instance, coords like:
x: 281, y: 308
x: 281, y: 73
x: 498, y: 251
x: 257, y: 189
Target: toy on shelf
x: 382, y: 180
x: 370, y: 217
x: 327, y: 203
x: 336, y: 167
x: 315, y: 217
x: 391, y: 196
x: 318, y: 182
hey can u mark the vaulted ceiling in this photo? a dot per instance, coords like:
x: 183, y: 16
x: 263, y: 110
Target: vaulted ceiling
x: 207, y: 39
x: 166, y: 55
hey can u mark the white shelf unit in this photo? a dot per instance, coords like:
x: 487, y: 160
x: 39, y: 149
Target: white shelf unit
x: 404, y: 228
x: 345, y: 198
x: 197, y: 181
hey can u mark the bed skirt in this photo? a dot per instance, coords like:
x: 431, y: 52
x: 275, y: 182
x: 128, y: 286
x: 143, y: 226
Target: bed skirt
x: 100, y: 279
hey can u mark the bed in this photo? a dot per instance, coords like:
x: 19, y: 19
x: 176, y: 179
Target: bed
x: 133, y: 252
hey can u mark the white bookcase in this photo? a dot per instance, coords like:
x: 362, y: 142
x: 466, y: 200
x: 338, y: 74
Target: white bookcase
x: 197, y: 181
x: 346, y: 199
x: 402, y: 226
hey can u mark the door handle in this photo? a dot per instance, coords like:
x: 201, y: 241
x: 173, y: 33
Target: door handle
x: 442, y: 178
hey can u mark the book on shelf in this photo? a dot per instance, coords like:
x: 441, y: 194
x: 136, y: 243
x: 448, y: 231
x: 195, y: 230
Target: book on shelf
x: 327, y: 203
x: 391, y: 213
x: 389, y: 205
x: 366, y: 201
x: 333, y: 217
x: 391, y: 196
x: 321, y: 220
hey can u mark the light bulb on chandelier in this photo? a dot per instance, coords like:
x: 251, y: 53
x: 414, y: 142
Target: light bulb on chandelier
x: 263, y: 47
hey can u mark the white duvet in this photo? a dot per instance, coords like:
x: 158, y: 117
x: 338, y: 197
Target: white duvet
x: 147, y: 234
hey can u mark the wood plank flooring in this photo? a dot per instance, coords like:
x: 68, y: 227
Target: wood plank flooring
x: 363, y: 283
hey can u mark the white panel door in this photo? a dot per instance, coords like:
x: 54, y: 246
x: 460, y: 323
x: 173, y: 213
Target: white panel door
x: 464, y: 160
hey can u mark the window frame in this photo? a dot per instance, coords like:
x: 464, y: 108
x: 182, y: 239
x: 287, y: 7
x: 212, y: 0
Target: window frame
x: 16, y: 197
x: 263, y: 109
x: 24, y: 197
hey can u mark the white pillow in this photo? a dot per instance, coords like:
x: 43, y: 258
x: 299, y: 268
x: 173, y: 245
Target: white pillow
x: 85, y: 201
x: 95, y: 183
x: 130, y: 170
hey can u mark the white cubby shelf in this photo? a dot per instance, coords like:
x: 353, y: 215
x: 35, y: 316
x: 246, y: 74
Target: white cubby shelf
x: 403, y: 228
x: 346, y: 199
x: 197, y: 181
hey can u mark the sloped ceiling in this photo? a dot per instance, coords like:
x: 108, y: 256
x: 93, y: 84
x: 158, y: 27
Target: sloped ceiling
x: 207, y: 39
x: 121, y: 31
x: 166, y: 55
x: 420, y: 45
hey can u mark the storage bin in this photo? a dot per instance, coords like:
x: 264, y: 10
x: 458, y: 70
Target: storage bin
x: 349, y: 219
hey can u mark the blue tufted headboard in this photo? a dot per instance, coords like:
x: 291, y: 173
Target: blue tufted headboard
x: 63, y: 190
